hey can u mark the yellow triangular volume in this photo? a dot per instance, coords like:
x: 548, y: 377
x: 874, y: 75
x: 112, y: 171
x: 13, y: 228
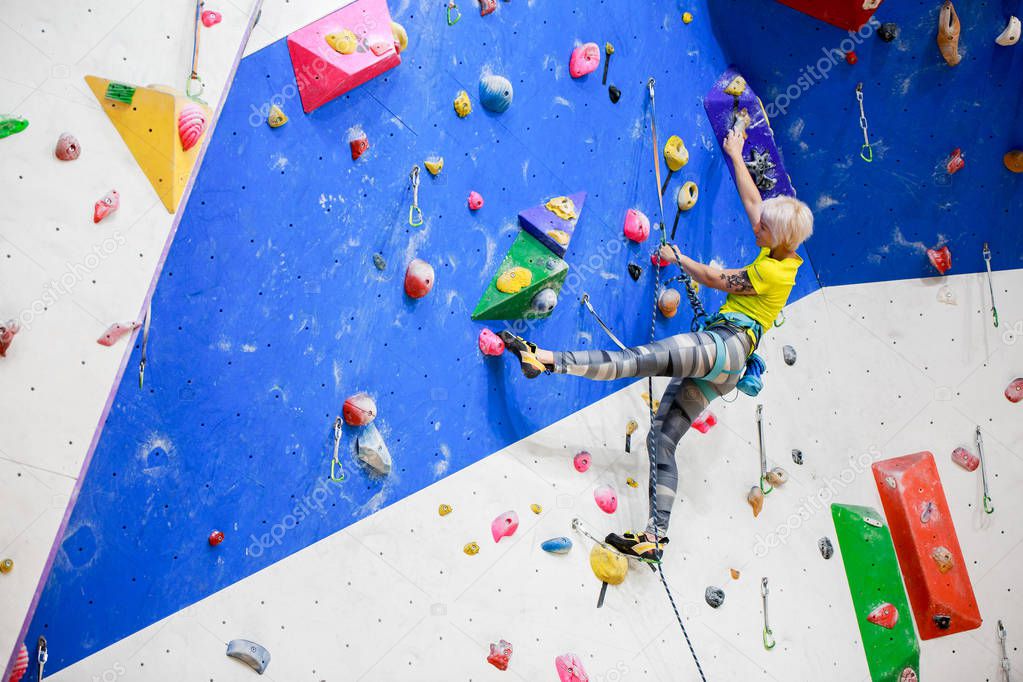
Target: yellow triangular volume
x: 149, y: 126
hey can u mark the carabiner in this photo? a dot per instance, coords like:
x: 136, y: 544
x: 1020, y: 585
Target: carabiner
x: 335, y: 463
x: 768, y: 633
x: 415, y: 214
x: 193, y: 79
x: 867, y: 153
x: 458, y: 13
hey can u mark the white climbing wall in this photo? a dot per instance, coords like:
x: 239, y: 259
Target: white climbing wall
x: 883, y: 370
x: 64, y: 278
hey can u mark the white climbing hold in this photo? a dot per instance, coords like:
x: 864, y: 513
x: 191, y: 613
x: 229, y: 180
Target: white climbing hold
x: 373, y: 451
x: 1010, y: 36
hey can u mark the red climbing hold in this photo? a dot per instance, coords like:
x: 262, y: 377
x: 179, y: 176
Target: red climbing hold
x: 637, y: 226
x: 570, y: 668
x: 504, y: 525
x: 20, y: 665
x: 851, y: 58
x: 585, y: 59
x: 965, y: 459
x: 211, y: 18
x: 216, y: 537
x: 418, y: 278
x: 490, y: 343
x: 606, y: 498
x: 358, y: 143
x: 704, y: 421
x: 956, y: 162
x: 885, y: 615
x: 475, y: 201
x: 499, y: 654
x: 655, y: 259
x: 7, y: 331
x: 941, y: 259
x: 486, y: 7
x: 110, y: 202
x: 359, y: 410
x: 116, y: 332
x: 1013, y: 392
x: 581, y: 462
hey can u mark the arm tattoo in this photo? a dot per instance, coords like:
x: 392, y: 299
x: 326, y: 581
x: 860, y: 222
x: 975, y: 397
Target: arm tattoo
x: 738, y: 283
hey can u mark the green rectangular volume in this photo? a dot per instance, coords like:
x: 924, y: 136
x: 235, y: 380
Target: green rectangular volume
x: 874, y: 580
x: 119, y: 92
x: 547, y: 271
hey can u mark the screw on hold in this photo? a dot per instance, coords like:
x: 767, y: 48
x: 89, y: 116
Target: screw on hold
x: 609, y: 50
x: 988, y: 508
x: 337, y: 473
x: 768, y: 634
x: 454, y: 14
x: 415, y: 214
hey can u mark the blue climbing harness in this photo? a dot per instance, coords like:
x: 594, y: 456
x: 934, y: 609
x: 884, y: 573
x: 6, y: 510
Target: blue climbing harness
x: 750, y: 383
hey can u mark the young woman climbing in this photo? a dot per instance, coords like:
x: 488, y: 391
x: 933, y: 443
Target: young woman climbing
x: 704, y: 364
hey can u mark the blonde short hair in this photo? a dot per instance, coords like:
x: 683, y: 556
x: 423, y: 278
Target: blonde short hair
x: 789, y: 219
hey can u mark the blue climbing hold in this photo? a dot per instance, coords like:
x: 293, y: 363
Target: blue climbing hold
x: 544, y: 301
x: 557, y: 545
x: 495, y: 93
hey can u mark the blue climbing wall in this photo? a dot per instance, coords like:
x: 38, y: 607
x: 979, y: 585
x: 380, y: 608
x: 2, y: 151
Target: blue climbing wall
x: 269, y: 310
x: 875, y: 220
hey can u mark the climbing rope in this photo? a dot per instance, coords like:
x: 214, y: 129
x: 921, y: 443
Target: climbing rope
x: 193, y: 76
x: 866, y: 152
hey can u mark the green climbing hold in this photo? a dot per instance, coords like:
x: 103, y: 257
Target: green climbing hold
x: 119, y: 92
x: 547, y: 271
x: 893, y: 655
x: 12, y: 126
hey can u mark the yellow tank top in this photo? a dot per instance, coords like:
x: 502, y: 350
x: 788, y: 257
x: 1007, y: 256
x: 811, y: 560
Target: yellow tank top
x: 773, y: 281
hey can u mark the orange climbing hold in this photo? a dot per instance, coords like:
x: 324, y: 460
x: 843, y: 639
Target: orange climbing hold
x: 940, y: 591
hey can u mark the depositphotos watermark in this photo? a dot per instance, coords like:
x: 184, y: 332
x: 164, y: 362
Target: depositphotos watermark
x: 314, y: 500
x: 814, y: 503
x: 812, y: 74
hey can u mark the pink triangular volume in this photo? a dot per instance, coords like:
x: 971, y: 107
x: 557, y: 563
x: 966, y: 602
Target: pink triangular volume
x: 321, y: 72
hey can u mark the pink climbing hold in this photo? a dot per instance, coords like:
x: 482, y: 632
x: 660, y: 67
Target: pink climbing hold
x: 504, y: 525
x: 965, y: 459
x: 585, y: 59
x: 885, y: 615
x: 418, y: 278
x: 1014, y: 391
x: 116, y: 332
x: 211, y: 18
x: 570, y: 668
x: 637, y: 226
x: 191, y: 125
x: 941, y: 259
x: 67, y: 148
x: 500, y: 653
x: 490, y: 343
x: 606, y: 498
x: 475, y: 201
x: 110, y: 202
x: 20, y: 665
x: 359, y: 410
x: 582, y: 461
x: 704, y: 421
x: 7, y: 331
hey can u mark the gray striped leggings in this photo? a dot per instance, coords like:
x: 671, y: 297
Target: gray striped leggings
x: 680, y: 357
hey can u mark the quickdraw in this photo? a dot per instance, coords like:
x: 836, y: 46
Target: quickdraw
x: 415, y: 214
x: 193, y: 77
x: 988, y: 508
x: 768, y: 633
x: 990, y: 286
x: 337, y: 473
x: 763, y: 451
x: 145, y: 342
x: 866, y: 151
x: 1005, y: 655
x: 42, y: 656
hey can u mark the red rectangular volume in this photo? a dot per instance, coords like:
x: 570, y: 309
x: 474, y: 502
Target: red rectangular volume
x: 848, y: 14
x: 932, y: 563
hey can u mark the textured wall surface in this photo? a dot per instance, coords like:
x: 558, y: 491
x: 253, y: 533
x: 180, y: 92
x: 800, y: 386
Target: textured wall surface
x: 269, y: 312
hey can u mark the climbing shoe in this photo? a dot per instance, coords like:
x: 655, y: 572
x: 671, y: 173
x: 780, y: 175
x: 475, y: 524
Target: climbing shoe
x: 638, y: 546
x: 526, y: 353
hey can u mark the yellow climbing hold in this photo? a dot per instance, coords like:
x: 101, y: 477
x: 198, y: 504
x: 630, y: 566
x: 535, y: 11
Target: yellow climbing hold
x: 687, y: 17
x: 675, y: 153
x: 276, y: 117
x: 537, y: 509
x: 736, y: 87
x: 444, y: 509
x: 434, y: 164
x: 514, y: 280
x: 462, y: 104
x: 688, y: 195
x: 631, y: 482
x: 400, y: 35
x: 609, y: 49
x: 6, y: 566
x: 735, y: 573
x: 472, y: 549
x: 559, y: 236
x: 632, y: 424
x: 562, y: 207
x: 344, y: 41
x: 608, y: 566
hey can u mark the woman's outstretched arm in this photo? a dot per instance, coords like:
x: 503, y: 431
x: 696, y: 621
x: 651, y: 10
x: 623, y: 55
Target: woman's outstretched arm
x: 731, y: 281
x: 748, y: 191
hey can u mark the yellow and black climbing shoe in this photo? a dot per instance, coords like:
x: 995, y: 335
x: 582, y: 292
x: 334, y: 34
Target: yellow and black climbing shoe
x: 640, y: 546
x: 526, y: 353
